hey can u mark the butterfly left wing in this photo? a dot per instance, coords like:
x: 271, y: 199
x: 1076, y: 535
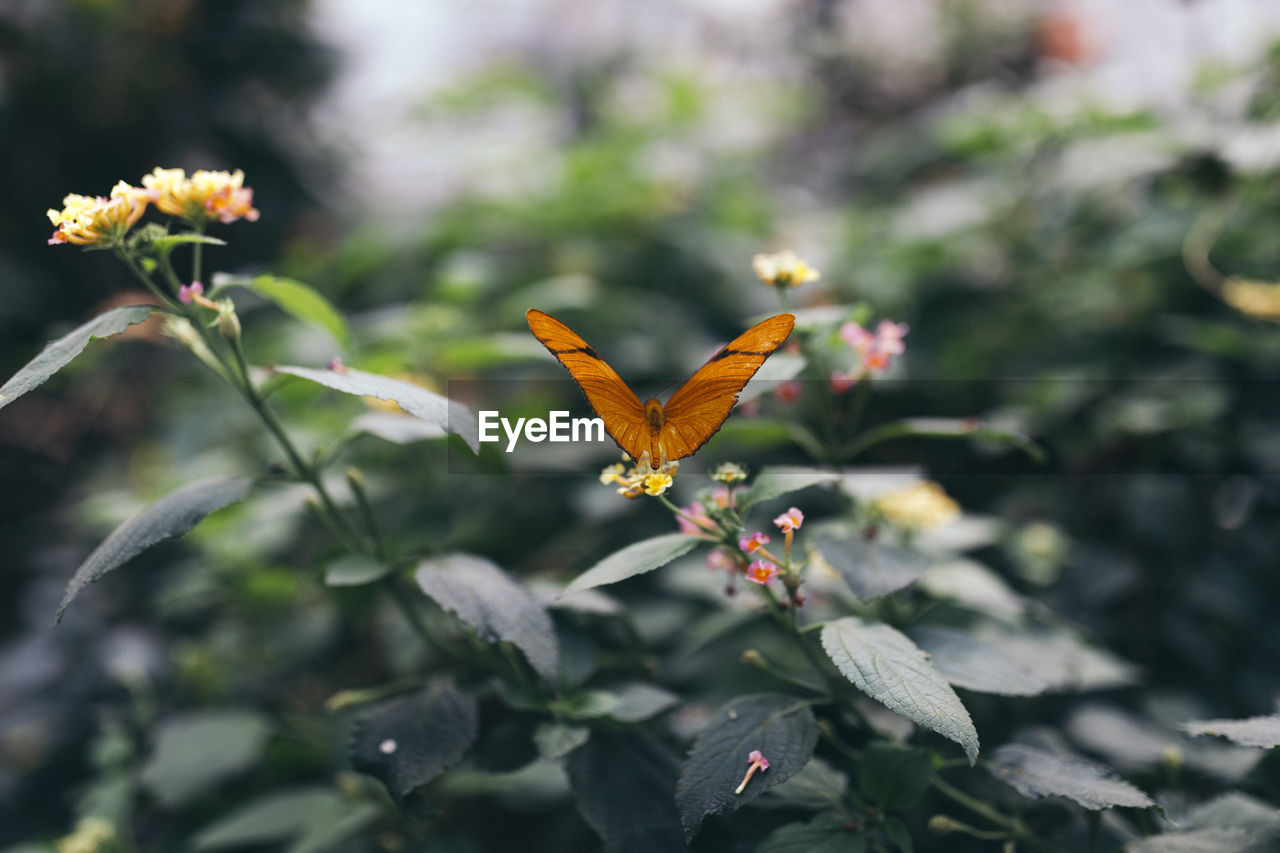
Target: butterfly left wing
x: 698, y: 408
x: 606, y: 393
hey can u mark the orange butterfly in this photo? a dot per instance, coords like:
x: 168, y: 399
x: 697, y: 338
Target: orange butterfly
x: 694, y: 412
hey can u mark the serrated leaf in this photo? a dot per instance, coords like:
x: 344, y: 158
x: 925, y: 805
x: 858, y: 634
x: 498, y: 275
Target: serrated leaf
x: 408, y: 741
x: 781, y: 727
x: 635, y: 559
x: 434, y: 408
x: 301, y: 301
x: 58, y: 354
x: 556, y: 740
x: 823, y: 834
x: 354, y: 570
x: 397, y: 429
x: 172, y: 515
x: 1035, y: 773
x: 1252, y: 731
x: 315, y: 814
x: 895, y: 777
x: 777, y: 481
x: 1231, y: 823
x: 871, y: 569
x: 969, y: 662
x: 883, y: 663
x: 818, y: 785
x: 623, y: 784
x: 499, y: 608
x: 194, y: 752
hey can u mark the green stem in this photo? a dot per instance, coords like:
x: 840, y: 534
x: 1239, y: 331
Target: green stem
x: 1011, y: 824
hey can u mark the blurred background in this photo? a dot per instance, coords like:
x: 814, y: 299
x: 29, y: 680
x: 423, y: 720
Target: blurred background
x: 1072, y: 204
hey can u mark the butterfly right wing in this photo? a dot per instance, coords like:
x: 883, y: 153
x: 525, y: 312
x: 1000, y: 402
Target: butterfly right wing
x: 606, y: 393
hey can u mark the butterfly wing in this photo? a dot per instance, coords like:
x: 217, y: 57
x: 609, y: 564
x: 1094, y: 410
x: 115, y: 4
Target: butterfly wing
x: 606, y: 393
x: 698, y: 408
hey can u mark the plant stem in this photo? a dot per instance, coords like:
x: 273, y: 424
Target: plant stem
x: 1012, y: 824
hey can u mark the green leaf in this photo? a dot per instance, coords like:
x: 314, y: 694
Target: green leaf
x: 299, y: 300
x: 1035, y: 773
x: 898, y: 834
x: 57, y: 354
x: 871, y: 569
x: 781, y: 727
x: 194, y: 752
x: 310, y: 815
x: 1230, y: 823
x: 949, y: 428
x: 777, y: 481
x: 969, y: 662
x: 631, y: 703
x: 354, y: 570
x: 635, y: 559
x: 883, y: 663
x: 817, y: 786
x: 499, y: 608
x: 172, y: 515
x: 1253, y: 731
x: 434, y: 408
x: 408, y: 741
x: 556, y: 740
x: 169, y: 242
x: 896, y: 777
x: 397, y: 429
x: 823, y: 834
x: 623, y: 784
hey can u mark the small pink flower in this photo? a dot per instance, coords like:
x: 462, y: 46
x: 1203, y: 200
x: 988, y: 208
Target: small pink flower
x: 876, y: 350
x: 761, y: 572
x: 187, y: 292
x: 701, y: 523
x: 790, y: 520
x: 789, y: 391
x: 858, y: 338
x: 335, y: 364
x: 754, y: 542
x: 842, y: 382
x: 718, y: 559
x: 889, y: 337
x: 720, y: 496
x: 758, y: 762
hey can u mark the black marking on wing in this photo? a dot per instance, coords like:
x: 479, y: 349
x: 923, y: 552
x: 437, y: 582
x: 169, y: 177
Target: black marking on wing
x: 726, y: 352
x: 584, y: 350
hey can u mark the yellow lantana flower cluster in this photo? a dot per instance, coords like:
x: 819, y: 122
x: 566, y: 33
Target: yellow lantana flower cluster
x: 203, y: 196
x: 640, y: 479
x: 101, y: 221
x: 783, y: 268
x: 89, y: 220
x: 918, y: 506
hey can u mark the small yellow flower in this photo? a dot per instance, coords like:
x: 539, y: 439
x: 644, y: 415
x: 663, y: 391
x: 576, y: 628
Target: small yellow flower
x: 640, y: 479
x: 87, y: 221
x: 202, y: 197
x: 729, y: 473
x: 92, y: 835
x: 656, y: 483
x: 918, y: 506
x: 1260, y: 299
x: 783, y: 268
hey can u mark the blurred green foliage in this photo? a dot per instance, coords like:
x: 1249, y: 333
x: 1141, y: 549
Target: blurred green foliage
x: 1059, y: 260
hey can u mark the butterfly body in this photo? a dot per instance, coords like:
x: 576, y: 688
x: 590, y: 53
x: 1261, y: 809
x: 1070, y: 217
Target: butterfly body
x: 663, y: 433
